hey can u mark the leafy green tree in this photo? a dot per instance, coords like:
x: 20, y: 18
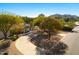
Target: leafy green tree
x: 51, y: 24
x: 7, y: 22
x: 27, y: 19
x: 38, y: 19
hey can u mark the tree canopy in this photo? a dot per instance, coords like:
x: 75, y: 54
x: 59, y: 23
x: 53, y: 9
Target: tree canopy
x: 51, y: 25
x: 27, y: 19
x: 38, y: 19
x: 8, y: 21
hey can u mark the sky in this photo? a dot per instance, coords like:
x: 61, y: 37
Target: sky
x: 34, y: 9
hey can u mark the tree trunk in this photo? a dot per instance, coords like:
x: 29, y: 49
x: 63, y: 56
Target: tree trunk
x: 5, y: 36
x: 49, y: 35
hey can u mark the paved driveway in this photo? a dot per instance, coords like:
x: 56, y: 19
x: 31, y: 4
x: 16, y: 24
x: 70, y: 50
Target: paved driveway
x: 72, y: 40
x: 25, y: 46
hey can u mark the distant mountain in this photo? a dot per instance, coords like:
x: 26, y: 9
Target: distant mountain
x: 65, y: 16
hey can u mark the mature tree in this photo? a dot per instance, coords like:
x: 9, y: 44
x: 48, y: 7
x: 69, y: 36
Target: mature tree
x: 38, y: 19
x: 51, y: 24
x: 7, y: 22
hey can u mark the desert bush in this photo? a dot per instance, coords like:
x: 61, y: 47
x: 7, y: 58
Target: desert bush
x: 52, y: 46
x: 4, y: 44
x: 67, y: 28
x: 56, y: 49
x: 13, y: 37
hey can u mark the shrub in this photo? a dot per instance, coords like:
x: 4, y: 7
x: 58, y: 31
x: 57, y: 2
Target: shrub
x: 67, y: 28
x: 56, y: 49
x: 14, y: 37
x: 52, y: 46
x: 4, y: 44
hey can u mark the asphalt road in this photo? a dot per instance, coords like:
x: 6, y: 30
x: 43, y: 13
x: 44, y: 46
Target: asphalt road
x: 72, y: 40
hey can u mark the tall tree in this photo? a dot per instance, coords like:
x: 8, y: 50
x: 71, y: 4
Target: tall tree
x: 7, y: 22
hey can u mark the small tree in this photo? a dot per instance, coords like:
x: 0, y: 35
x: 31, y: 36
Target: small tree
x: 7, y: 22
x: 50, y: 24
